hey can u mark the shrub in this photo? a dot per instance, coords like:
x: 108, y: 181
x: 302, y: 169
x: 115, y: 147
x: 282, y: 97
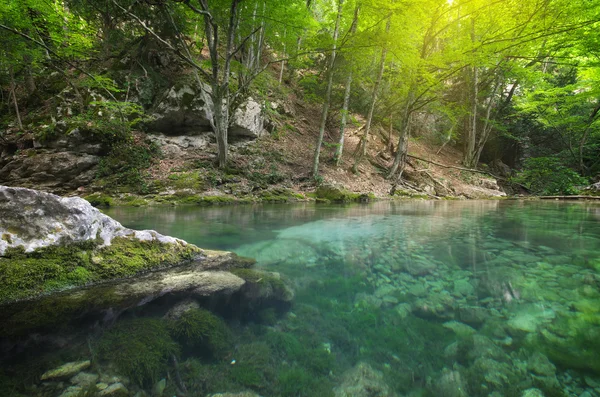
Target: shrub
x: 548, y: 176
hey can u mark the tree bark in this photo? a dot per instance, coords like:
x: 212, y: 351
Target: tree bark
x: 340, y: 148
x: 13, y: 88
x: 365, y: 137
x: 327, y: 102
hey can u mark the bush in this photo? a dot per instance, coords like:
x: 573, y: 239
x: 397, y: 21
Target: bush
x: 548, y: 176
x: 125, y: 164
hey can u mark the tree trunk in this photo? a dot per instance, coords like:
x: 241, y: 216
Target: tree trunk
x: 472, y: 133
x: 13, y: 88
x: 282, y: 62
x: 29, y: 81
x: 365, y: 137
x: 328, y: 92
x: 402, y: 149
x: 340, y: 149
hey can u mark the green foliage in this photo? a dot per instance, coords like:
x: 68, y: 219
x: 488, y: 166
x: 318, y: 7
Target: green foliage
x: 548, y: 176
x: 200, y: 328
x: 99, y: 200
x: 140, y: 349
x: 125, y: 164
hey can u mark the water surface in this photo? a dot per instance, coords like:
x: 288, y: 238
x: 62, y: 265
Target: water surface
x: 419, y: 298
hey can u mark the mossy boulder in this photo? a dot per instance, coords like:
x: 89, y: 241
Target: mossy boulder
x: 60, y: 258
x: 335, y: 194
x: 199, y: 328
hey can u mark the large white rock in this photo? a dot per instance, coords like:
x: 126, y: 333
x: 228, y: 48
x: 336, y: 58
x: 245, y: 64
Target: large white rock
x: 35, y: 219
x: 248, y: 120
x: 183, y: 109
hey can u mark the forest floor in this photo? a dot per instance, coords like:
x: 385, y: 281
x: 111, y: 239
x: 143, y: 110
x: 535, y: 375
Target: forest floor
x: 282, y: 161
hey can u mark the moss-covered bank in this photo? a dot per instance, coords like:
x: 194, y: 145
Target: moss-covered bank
x: 60, y: 267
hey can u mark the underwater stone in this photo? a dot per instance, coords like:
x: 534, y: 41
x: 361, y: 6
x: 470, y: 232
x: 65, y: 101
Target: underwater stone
x: 461, y: 330
x: 539, y: 364
x: 84, y: 379
x: 242, y: 394
x: 362, y: 381
x: 66, y: 370
x: 532, y: 393
x: 463, y: 287
x: 181, y: 308
x: 116, y: 389
x: 450, y: 384
x: 72, y: 391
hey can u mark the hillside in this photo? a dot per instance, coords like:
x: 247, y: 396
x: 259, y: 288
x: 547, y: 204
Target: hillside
x: 273, y: 166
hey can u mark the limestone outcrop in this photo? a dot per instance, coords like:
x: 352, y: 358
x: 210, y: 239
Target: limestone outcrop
x: 32, y: 219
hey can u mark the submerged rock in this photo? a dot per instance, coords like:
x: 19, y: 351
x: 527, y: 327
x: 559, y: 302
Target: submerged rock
x: 66, y: 370
x: 116, y: 389
x: 363, y: 381
x: 450, y: 384
x: 65, y: 260
x: 84, y: 379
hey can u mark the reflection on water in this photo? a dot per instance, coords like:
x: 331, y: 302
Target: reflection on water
x: 428, y: 298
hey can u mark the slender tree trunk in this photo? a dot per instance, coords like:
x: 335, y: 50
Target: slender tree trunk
x: 283, y: 62
x: 340, y: 148
x: 487, y: 127
x: 29, y: 81
x: 365, y: 137
x: 327, y: 102
x: 472, y: 133
x: 402, y: 149
x: 13, y: 88
x: 261, y: 40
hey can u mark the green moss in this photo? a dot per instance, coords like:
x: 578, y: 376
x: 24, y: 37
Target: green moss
x: 254, y: 366
x: 186, y: 180
x: 326, y: 193
x: 99, y: 200
x: 26, y: 275
x: 139, y: 348
x: 258, y: 277
x: 296, y: 382
x: 201, y: 328
x: 280, y: 195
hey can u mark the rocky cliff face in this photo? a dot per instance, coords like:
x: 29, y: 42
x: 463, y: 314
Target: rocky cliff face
x: 68, y: 157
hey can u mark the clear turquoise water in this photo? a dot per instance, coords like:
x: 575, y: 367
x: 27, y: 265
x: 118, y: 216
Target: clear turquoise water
x: 440, y: 298
x: 425, y: 298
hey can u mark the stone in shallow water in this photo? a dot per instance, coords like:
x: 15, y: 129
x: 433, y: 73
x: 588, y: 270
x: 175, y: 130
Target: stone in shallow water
x: 116, y: 389
x: 461, y: 330
x: 72, y: 391
x: 532, y: 393
x: 84, y: 379
x: 66, y: 370
x: 540, y: 365
x: 463, y: 287
x: 362, y: 381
